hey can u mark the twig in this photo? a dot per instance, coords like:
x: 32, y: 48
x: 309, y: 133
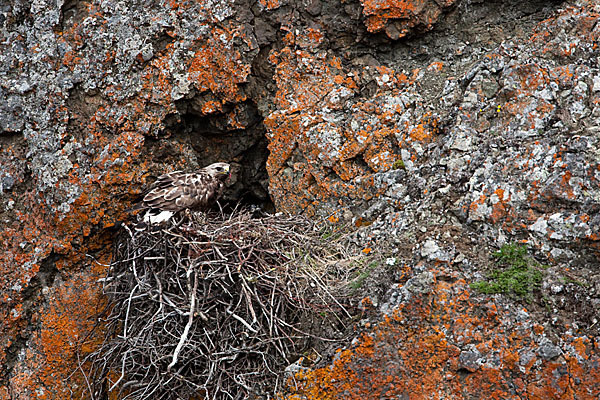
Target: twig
x: 187, y: 326
x: 247, y: 325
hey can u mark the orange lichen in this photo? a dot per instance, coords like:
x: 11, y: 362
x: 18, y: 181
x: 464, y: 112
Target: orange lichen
x: 417, y: 350
x: 305, y: 170
x: 435, y: 66
x: 65, y: 322
x: 499, y: 206
x: 270, y: 4
x: 475, y: 204
x: 219, y: 69
x: 309, y: 89
x: 425, y: 130
x: 112, y: 128
x: 399, y: 17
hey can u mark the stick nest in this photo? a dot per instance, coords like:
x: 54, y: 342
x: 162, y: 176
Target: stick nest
x: 217, y: 306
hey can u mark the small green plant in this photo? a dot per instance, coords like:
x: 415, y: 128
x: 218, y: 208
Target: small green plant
x: 517, y: 274
x: 547, y: 302
x: 568, y: 279
x: 362, y: 275
x: 398, y: 164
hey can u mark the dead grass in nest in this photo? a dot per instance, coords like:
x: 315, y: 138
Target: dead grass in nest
x: 217, y: 306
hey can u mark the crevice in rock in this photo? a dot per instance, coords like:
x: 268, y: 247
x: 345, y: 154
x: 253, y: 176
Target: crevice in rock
x: 463, y: 372
x: 213, y: 138
x: 72, y: 12
x: 10, y: 137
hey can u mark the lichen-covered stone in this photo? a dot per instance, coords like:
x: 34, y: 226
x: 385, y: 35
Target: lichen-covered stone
x: 446, y: 344
x: 440, y: 129
x: 86, y: 84
x: 398, y: 18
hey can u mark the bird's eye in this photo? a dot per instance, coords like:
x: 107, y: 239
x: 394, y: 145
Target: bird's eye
x: 219, y: 169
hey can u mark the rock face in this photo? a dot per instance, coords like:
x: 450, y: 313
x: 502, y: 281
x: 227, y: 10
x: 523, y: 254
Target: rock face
x: 440, y: 129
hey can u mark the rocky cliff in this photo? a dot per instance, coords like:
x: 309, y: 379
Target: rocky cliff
x: 441, y: 130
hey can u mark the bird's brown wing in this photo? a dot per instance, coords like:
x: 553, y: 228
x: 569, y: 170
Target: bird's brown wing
x: 176, y: 191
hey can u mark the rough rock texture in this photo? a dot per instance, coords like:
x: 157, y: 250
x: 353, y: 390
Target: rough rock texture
x: 441, y: 129
x: 400, y: 18
x: 444, y: 343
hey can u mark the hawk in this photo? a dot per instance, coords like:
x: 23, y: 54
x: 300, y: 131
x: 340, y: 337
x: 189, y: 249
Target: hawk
x: 177, y: 191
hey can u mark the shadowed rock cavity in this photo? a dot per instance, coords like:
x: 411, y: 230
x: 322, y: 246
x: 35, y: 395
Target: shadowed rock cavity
x: 236, y: 136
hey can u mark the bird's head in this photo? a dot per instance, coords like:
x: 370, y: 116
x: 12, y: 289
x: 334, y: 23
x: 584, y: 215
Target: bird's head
x: 218, y: 170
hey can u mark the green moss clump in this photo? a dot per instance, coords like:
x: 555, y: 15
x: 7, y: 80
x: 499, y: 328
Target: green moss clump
x: 517, y: 274
x: 398, y: 164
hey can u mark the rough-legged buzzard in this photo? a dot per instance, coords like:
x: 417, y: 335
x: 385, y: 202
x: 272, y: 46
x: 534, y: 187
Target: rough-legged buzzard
x: 177, y: 191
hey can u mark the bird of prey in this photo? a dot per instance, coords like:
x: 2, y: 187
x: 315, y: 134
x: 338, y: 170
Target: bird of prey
x: 176, y: 191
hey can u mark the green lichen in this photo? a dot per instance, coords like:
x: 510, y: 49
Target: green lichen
x: 516, y: 274
x: 398, y: 164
